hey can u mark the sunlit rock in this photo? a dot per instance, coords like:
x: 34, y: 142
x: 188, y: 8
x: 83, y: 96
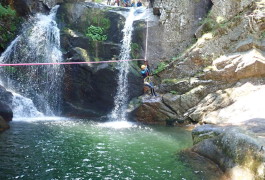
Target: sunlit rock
x: 239, y: 155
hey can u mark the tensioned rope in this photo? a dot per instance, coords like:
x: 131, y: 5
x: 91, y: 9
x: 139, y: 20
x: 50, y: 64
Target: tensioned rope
x: 69, y: 63
x: 146, y: 40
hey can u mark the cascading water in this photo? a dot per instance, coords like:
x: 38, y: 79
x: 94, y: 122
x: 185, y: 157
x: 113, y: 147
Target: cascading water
x: 24, y: 107
x: 39, y: 42
x: 121, y: 98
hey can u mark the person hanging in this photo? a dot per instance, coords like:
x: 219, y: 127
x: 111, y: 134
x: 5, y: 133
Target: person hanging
x: 145, y: 72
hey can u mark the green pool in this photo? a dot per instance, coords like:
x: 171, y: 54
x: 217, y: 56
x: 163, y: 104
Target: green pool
x: 79, y: 149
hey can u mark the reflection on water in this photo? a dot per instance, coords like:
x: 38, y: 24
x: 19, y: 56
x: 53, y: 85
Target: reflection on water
x: 68, y: 149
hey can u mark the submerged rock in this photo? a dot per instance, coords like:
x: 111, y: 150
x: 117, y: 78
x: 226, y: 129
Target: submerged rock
x: 209, y: 170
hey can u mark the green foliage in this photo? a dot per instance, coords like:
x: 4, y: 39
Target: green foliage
x: 209, y: 24
x: 10, y: 69
x: 96, y: 33
x: 161, y: 67
x: 8, y: 25
x: 98, y: 1
x: 220, y: 24
x: 173, y: 92
x: 6, y: 11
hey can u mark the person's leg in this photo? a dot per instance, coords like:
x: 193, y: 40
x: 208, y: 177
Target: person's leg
x: 153, y: 91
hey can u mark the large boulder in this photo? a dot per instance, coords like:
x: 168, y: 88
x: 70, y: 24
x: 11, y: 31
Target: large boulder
x: 237, y: 66
x: 240, y: 155
x: 231, y: 106
x: 151, y: 110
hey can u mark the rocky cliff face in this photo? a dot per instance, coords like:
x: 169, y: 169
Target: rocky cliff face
x: 228, y: 54
x: 218, y: 80
x: 178, y: 21
x: 89, y: 90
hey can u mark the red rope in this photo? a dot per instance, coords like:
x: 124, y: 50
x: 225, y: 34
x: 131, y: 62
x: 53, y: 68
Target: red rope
x: 69, y: 63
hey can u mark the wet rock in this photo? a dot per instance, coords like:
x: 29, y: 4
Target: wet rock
x: 208, y: 171
x: 232, y: 149
x: 29, y: 7
x: 6, y: 96
x: 6, y: 112
x: 90, y: 89
x: 152, y: 111
x: 79, y: 16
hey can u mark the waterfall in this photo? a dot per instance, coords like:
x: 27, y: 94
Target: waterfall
x: 39, y: 42
x: 121, y: 98
x: 24, y: 107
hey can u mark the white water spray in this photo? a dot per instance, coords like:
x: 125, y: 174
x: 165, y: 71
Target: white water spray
x: 121, y: 98
x: 24, y: 107
x: 39, y: 42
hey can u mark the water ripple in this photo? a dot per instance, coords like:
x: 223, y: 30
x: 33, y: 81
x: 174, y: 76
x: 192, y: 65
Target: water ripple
x: 88, y: 150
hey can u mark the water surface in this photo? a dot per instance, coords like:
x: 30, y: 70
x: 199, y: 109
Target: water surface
x: 71, y: 149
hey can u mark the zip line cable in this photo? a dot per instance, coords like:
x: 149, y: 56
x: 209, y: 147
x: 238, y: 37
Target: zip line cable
x: 69, y: 63
x: 146, y: 40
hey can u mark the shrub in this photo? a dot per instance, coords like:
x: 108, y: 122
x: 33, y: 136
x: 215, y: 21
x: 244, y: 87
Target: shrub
x: 9, y: 22
x: 96, y: 33
x: 161, y: 67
